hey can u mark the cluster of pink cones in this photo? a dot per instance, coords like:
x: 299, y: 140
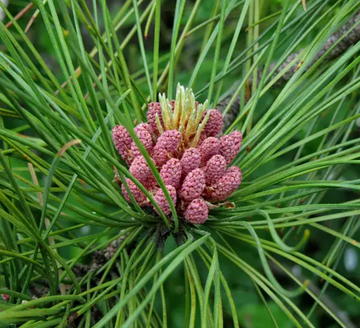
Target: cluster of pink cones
x: 182, y: 139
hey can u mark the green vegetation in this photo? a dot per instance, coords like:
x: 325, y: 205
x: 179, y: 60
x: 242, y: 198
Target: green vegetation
x: 283, y: 251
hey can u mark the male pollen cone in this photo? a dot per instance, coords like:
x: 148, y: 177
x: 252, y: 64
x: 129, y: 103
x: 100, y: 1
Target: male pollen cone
x: 182, y: 138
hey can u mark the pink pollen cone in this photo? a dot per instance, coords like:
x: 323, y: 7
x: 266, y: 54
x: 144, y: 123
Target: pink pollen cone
x: 214, y: 169
x: 144, y: 127
x: 122, y: 141
x: 160, y: 155
x: 230, y: 145
x: 197, y: 212
x: 209, y: 148
x: 171, y: 173
x: 146, y: 139
x: 162, y: 201
x: 193, y: 185
x: 138, y: 195
x: 190, y: 160
x: 225, y: 186
x: 194, y: 177
x: 154, y: 108
x: 169, y: 140
x: 140, y: 169
x: 214, y: 124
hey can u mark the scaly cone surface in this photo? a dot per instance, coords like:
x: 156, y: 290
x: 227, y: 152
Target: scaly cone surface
x: 182, y: 139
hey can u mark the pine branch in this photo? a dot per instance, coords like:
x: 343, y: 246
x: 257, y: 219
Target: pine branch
x: 348, y: 41
x: 327, y: 300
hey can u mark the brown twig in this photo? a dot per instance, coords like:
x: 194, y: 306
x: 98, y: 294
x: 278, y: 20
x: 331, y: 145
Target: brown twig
x: 31, y: 21
x: 20, y: 14
x: 304, y: 4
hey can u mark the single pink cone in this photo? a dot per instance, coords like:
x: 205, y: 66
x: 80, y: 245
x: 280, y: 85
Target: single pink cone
x: 140, y: 169
x: 225, y: 186
x: 214, y: 124
x: 169, y: 140
x: 144, y: 127
x: 122, y: 142
x: 193, y: 185
x: 171, y: 173
x: 197, y: 212
x: 154, y: 108
x: 190, y: 160
x: 146, y: 139
x: 214, y: 169
x: 160, y: 156
x: 209, y: 148
x: 230, y: 145
x: 162, y: 201
x: 138, y: 195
